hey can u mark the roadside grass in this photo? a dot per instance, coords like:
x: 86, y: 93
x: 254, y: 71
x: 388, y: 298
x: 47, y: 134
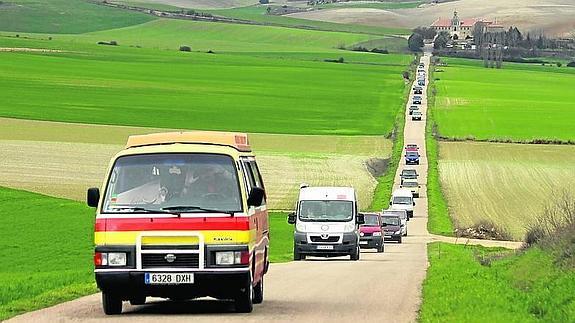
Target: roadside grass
x: 45, y: 253
x: 281, y: 238
x: 505, y: 184
x: 47, y: 245
x: 477, y: 284
x: 520, y: 103
x: 64, y: 16
x: 438, y: 218
x: 201, y: 91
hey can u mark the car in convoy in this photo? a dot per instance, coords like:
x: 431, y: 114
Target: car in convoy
x: 326, y: 222
x: 370, y: 233
x: 408, y: 174
x: 416, y: 116
x: 402, y: 215
x: 182, y: 215
x: 413, y: 108
x: 421, y: 82
x: 418, y: 90
x: 402, y: 199
x: 392, y: 228
x: 411, y: 147
x: 411, y: 185
x: 416, y: 99
x: 411, y: 158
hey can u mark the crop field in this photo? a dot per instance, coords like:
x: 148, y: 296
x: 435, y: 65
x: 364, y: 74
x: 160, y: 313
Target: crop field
x: 63, y: 160
x: 507, y: 184
x: 520, y: 102
x: 64, y: 16
x: 201, y: 91
x: 62, y: 253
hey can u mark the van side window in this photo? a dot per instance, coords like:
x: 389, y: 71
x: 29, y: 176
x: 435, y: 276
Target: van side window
x: 249, y: 176
x: 253, y: 174
x: 257, y: 175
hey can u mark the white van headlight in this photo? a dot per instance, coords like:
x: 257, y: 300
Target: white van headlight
x: 349, y: 227
x: 116, y: 259
x: 300, y: 227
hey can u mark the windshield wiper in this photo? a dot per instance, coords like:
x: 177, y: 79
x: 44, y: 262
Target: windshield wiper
x: 143, y: 209
x: 184, y: 208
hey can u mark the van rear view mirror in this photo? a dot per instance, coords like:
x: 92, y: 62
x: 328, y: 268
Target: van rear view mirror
x: 93, y: 197
x: 256, y: 197
x: 291, y: 218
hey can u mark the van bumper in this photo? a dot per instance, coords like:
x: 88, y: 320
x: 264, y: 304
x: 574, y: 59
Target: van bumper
x: 130, y: 284
x: 347, y: 246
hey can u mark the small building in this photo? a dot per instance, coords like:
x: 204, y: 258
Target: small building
x: 462, y: 28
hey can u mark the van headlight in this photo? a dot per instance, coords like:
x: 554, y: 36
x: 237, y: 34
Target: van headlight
x: 350, y: 227
x: 224, y: 258
x: 300, y: 227
x: 116, y: 259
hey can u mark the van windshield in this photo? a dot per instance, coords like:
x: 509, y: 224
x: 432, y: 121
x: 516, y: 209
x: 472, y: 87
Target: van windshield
x: 182, y: 182
x: 402, y: 200
x: 327, y: 211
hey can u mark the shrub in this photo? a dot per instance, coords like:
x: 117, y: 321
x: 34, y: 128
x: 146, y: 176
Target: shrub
x: 485, y: 229
x: 405, y: 75
x: 111, y: 43
x: 185, y: 49
x: 380, y: 51
x: 571, y: 64
x: 415, y: 42
x: 559, y: 64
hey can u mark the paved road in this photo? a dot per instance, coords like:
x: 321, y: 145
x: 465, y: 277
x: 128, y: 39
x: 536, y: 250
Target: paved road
x: 381, y: 287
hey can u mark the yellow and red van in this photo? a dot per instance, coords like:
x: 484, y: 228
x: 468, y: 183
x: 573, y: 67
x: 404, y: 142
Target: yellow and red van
x: 182, y: 215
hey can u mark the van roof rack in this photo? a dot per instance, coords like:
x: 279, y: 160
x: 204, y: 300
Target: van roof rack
x: 235, y: 140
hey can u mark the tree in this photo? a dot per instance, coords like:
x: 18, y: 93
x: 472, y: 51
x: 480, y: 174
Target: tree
x: 415, y: 42
x: 441, y: 40
x: 426, y: 32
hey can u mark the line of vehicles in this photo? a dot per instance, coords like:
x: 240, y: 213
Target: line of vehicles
x: 183, y: 215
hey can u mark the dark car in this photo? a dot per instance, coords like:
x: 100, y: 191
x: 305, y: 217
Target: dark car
x: 418, y: 90
x: 417, y: 99
x: 421, y: 82
x: 391, y: 228
x: 416, y: 115
x: 413, y: 108
x: 370, y: 233
x: 412, y: 158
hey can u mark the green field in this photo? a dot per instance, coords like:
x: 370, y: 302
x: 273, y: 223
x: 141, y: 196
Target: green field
x: 506, y: 184
x: 57, y: 235
x: 373, y: 5
x: 523, y: 287
x: 170, y: 89
x: 521, y: 102
x: 63, y: 16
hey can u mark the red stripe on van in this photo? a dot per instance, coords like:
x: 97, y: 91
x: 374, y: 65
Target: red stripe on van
x: 151, y: 224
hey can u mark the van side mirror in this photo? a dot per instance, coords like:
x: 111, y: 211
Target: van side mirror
x: 390, y: 203
x: 291, y: 218
x: 93, y: 197
x: 413, y: 203
x: 360, y: 218
x: 256, y: 197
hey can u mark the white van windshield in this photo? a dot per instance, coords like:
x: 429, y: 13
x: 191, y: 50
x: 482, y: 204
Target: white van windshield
x: 327, y: 211
x: 173, y: 182
x: 402, y: 200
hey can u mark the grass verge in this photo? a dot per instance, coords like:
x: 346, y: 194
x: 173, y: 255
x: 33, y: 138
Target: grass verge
x: 46, y: 250
x: 438, y: 221
x: 480, y: 284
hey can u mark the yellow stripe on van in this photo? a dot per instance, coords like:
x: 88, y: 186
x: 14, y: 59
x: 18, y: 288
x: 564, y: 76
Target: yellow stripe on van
x: 210, y: 237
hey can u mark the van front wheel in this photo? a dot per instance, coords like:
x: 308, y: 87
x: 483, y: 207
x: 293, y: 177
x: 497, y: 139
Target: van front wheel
x: 259, y: 292
x: 111, y: 303
x: 244, y: 300
x: 355, y: 256
x: 297, y: 255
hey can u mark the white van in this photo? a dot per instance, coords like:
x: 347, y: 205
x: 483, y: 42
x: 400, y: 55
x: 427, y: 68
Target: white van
x: 326, y: 223
x: 402, y: 199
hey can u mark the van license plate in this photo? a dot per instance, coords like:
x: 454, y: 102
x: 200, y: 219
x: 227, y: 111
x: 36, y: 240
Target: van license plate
x: 168, y: 278
x: 325, y: 247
